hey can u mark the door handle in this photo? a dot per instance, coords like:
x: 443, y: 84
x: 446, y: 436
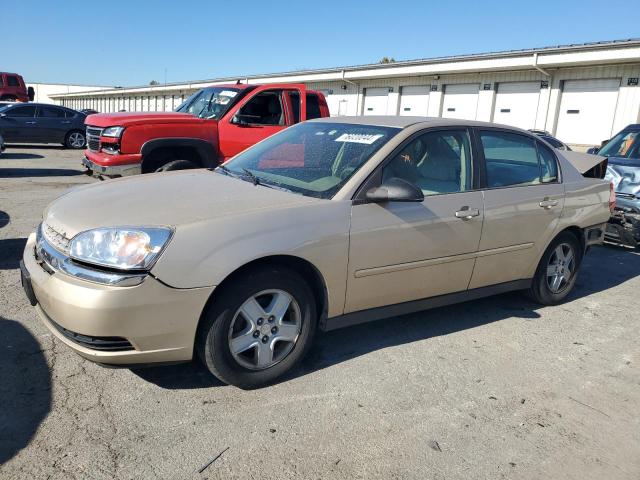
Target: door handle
x: 30, y: 123
x: 66, y: 123
x: 547, y: 203
x: 466, y: 213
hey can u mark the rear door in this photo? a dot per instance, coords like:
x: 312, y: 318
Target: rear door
x: 18, y: 124
x: 523, y: 201
x: 265, y: 111
x: 52, y: 124
x: 401, y: 251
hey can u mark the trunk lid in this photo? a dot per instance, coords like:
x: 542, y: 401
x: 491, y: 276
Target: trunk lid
x: 590, y: 166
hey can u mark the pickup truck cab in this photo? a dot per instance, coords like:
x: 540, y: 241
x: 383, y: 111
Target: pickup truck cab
x: 13, y: 88
x: 211, y: 126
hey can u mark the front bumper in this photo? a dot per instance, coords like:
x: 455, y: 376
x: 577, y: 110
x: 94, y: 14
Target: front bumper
x: 112, y: 170
x: 624, y: 228
x: 143, y: 324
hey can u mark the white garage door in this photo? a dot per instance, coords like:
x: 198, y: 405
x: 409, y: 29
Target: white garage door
x: 414, y: 100
x: 517, y: 104
x: 587, y: 110
x: 375, y: 101
x: 460, y: 101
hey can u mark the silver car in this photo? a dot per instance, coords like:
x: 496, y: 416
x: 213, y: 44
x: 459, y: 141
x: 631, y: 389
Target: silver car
x: 330, y: 223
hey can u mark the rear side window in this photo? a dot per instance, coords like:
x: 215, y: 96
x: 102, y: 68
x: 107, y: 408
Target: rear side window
x: 512, y: 160
x: 26, y: 111
x: 50, y: 112
x: 313, y: 106
x: 548, y: 165
x: 70, y: 113
x: 12, y: 81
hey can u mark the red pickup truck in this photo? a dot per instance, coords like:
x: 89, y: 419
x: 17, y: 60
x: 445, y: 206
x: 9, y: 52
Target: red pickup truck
x: 13, y: 89
x: 210, y: 127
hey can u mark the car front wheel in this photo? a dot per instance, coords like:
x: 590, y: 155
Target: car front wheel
x: 557, y: 271
x: 258, y: 328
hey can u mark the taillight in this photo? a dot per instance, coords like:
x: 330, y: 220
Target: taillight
x: 612, y: 197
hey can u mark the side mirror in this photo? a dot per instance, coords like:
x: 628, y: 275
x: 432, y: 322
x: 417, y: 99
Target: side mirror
x: 31, y: 93
x: 593, y: 150
x: 395, y: 190
x: 243, y: 119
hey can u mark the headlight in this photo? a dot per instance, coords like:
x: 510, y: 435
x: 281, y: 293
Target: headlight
x: 125, y: 248
x: 112, y: 131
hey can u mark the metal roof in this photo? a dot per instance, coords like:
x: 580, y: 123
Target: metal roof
x: 632, y: 42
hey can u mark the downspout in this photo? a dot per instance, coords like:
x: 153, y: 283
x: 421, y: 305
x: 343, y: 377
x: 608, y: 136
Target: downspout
x: 535, y: 65
x: 357, y: 91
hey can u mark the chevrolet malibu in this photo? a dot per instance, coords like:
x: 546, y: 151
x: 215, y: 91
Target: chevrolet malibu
x: 330, y: 223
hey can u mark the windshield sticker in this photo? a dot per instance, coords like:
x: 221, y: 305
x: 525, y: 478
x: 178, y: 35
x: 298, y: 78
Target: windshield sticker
x: 365, y: 138
x: 228, y: 93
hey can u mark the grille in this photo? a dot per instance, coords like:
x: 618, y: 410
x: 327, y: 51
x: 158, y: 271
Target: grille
x: 57, y: 239
x: 105, y: 344
x: 93, y: 138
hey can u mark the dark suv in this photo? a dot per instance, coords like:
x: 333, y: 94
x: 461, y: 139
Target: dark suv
x: 42, y: 123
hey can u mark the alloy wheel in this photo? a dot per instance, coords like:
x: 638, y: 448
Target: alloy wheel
x: 561, y: 267
x: 76, y: 140
x: 265, y: 329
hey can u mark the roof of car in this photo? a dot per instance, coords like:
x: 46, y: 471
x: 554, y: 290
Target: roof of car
x: 404, y: 122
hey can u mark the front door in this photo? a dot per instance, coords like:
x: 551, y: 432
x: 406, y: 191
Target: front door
x: 523, y: 202
x: 19, y: 123
x: 264, y: 112
x: 408, y: 251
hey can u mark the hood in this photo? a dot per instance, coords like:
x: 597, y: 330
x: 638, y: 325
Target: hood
x: 126, y: 119
x: 625, y: 178
x: 583, y: 162
x: 171, y: 199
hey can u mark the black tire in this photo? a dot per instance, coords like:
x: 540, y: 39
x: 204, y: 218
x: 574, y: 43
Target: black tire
x: 176, y: 165
x: 75, y: 139
x: 541, y: 291
x: 213, y: 338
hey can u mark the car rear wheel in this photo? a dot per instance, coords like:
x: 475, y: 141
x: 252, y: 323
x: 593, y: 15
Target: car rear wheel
x: 557, y: 271
x: 75, y: 140
x: 176, y: 165
x: 258, y: 328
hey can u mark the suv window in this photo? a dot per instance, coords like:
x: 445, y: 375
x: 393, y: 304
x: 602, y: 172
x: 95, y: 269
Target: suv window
x: 12, y: 81
x: 264, y: 109
x: 26, y: 111
x: 512, y: 160
x: 436, y: 162
x: 50, y: 112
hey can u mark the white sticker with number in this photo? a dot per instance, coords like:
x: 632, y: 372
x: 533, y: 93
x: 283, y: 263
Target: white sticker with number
x: 365, y: 138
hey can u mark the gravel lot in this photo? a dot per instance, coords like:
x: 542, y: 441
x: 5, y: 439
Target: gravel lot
x: 496, y: 388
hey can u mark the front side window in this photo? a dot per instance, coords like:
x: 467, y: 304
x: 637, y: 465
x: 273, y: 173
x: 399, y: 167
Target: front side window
x: 624, y: 144
x: 436, y: 162
x: 26, y: 111
x: 512, y: 160
x: 210, y: 102
x: 263, y: 109
x: 314, y: 159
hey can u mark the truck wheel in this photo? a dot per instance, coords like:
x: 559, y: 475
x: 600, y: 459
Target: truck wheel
x: 75, y: 139
x: 176, y: 165
x: 557, y: 271
x: 259, y: 327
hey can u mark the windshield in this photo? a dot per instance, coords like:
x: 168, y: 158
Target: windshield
x: 625, y: 145
x: 313, y: 158
x: 209, y: 102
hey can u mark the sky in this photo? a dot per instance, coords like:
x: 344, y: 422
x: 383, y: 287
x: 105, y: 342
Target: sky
x: 127, y: 43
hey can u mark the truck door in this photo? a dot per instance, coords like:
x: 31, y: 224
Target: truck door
x: 267, y: 110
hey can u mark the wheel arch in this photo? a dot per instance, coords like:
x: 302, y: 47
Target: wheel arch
x: 196, y: 150
x: 307, y: 270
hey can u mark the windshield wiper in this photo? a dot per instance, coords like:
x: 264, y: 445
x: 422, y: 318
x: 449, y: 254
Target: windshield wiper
x: 255, y: 180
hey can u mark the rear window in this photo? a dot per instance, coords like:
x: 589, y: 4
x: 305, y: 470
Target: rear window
x: 12, y: 81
